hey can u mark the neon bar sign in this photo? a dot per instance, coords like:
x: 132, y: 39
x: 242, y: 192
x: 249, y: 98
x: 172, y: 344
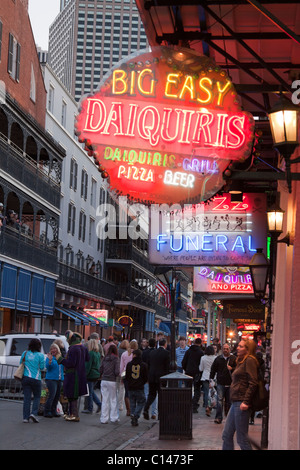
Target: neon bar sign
x: 219, y: 233
x: 165, y: 125
x: 218, y: 279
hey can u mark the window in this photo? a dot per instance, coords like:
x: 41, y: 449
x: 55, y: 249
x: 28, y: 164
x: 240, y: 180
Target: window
x: 71, y: 218
x: 82, y: 226
x: 84, y: 184
x: 32, y: 85
x: 63, y: 113
x: 91, y: 231
x: 51, y: 99
x: 93, y: 192
x: 73, y: 174
x: 14, y: 54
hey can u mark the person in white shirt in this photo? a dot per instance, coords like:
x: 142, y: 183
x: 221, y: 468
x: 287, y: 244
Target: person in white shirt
x: 204, y: 367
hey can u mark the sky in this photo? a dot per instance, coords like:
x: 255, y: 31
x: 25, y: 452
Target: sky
x: 42, y: 14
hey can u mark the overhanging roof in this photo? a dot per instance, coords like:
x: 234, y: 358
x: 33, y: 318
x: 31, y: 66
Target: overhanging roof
x: 257, y: 43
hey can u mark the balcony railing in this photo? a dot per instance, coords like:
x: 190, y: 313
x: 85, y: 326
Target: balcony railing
x: 128, y: 251
x: 72, y: 277
x: 24, y: 169
x: 27, y: 249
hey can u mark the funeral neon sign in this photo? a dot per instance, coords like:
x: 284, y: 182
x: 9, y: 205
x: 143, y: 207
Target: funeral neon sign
x: 165, y: 125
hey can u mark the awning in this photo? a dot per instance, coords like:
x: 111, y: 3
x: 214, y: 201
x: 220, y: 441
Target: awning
x: 73, y: 314
x: 23, y: 290
x: 8, y: 286
x: 117, y: 326
x: 165, y: 328
x: 93, y: 321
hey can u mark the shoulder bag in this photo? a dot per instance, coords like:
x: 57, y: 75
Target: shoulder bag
x: 18, y: 375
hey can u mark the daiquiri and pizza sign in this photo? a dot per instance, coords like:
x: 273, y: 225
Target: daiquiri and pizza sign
x: 165, y: 125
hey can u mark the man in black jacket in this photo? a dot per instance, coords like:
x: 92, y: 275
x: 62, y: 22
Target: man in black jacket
x: 159, y: 361
x: 190, y: 364
x: 136, y: 376
x: 219, y: 367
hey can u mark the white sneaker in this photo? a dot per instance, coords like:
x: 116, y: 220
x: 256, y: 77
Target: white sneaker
x: 34, y: 418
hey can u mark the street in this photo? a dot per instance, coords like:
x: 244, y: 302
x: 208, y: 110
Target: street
x: 89, y: 434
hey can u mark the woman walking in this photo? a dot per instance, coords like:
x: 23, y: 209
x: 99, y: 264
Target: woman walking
x: 34, y: 363
x: 125, y: 358
x: 109, y: 371
x: 93, y: 374
x: 243, y: 386
x: 75, y: 383
x: 54, y: 379
x: 204, y: 367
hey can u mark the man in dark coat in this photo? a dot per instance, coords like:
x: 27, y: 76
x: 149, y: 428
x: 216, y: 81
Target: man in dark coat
x: 190, y: 364
x: 75, y: 382
x: 159, y: 365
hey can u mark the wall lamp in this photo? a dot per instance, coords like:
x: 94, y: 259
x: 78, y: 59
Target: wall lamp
x: 284, y: 125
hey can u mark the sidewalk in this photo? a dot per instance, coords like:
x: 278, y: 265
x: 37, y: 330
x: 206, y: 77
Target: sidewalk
x: 89, y: 434
x: 207, y: 435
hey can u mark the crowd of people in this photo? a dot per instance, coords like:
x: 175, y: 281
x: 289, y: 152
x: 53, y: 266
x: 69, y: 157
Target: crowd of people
x: 129, y: 373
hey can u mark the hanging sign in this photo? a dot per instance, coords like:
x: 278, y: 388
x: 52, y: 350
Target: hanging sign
x: 218, y: 233
x: 226, y: 279
x: 100, y: 315
x: 164, y: 125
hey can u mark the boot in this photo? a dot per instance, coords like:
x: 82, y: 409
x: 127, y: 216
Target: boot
x: 127, y: 404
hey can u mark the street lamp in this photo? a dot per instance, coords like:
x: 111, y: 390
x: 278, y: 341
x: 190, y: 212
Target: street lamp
x: 284, y: 125
x: 259, y: 269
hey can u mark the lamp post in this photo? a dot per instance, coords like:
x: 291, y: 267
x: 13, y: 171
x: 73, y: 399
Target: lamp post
x: 284, y: 125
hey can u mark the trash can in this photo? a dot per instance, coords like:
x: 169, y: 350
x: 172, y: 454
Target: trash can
x: 175, y: 406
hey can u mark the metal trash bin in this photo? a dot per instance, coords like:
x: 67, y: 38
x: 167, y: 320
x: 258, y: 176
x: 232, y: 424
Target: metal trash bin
x: 175, y: 406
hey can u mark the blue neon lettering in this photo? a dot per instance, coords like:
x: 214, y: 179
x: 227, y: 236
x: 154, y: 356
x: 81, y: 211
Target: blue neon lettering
x: 238, y: 244
x: 159, y: 241
x: 219, y: 241
x: 206, y: 242
x: 250, y: 244
x: 192, y: 241
x: 180, y: 245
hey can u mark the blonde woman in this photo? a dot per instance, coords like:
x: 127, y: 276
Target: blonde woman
x: 243, y: 386
x: 92, y: 368
x: 54, y: 380
x: 125, y: 358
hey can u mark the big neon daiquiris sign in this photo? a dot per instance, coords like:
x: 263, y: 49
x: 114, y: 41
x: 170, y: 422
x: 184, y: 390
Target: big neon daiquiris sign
x: 165, y: 125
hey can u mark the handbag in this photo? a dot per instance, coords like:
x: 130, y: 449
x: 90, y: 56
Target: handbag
x: 18, y: 375
x: 260, y: 399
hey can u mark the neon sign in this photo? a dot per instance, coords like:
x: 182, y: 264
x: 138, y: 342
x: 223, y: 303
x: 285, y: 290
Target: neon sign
x: 219, y: 279
x: 164, y: 128
x: 219, y: 233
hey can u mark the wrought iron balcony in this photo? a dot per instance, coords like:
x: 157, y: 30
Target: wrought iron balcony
x: 73, y: 277
x: 27, y: 249
x: 24, y: 169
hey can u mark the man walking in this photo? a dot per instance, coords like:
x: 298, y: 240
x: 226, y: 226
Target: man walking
x: 190, y: 364
x: 219, y: 367
x: 136, y: 376
x: 180, y: 352
x: 159, y: 361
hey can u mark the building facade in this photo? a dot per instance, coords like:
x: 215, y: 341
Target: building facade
x: 80, y: 251
x: 30, y: 176
x: 87, y: 38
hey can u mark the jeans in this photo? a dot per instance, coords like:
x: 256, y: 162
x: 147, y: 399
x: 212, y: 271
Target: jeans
x: 154, y: 404
x: 237, y: 421
x: 137, y: 401
x: 222, y: 393
x: 92, y: 396
x: 205, y: 386
x: 197, y: 392
x: 31, y: 386
x: 54, y: 388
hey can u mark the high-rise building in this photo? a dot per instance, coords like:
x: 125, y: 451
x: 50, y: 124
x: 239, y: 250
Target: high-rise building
x: 88, y: 37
